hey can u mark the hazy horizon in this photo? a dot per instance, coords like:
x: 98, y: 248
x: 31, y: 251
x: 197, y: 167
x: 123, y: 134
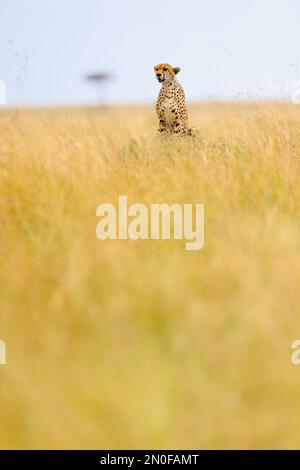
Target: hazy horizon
x: 229, y: 51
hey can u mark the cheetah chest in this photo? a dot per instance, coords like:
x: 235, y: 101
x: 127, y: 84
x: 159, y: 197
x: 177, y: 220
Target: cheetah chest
x: 168, y: 107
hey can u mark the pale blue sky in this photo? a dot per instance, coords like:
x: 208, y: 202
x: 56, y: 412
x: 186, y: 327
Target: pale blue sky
x: 225, y: 48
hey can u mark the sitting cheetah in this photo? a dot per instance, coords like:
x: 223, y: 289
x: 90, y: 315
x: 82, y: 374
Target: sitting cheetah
x: 170, y: 106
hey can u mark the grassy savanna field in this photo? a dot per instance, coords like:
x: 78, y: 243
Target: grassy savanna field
x: 142, y: 344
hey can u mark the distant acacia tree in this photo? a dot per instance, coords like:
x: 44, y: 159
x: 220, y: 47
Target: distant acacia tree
x: 100, y: 81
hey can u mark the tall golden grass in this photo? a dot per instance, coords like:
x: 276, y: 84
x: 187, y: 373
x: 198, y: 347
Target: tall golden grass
x: 141, y: 344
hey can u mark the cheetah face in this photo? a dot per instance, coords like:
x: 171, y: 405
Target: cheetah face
x: 165, y: 72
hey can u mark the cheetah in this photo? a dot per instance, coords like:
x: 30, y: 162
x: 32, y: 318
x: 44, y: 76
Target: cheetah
x: 170, y: 106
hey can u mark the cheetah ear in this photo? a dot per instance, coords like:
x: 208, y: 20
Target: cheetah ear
x: 176, y: 70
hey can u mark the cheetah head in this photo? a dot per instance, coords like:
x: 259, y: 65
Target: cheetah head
x: 165, y: 72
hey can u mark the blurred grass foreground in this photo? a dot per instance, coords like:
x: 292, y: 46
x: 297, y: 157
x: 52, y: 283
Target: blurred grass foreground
x: 142, y: 344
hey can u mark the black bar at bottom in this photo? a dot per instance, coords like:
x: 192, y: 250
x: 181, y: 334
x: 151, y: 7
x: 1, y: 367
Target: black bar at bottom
x: 133, y: 459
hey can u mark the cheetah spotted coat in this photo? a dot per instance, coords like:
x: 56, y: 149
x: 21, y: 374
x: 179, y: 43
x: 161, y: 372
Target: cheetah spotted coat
x: 170, y: 106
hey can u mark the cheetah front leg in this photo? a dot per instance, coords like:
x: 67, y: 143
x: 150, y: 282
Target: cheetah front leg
x: 180, y: 127
x: 162, y: 127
